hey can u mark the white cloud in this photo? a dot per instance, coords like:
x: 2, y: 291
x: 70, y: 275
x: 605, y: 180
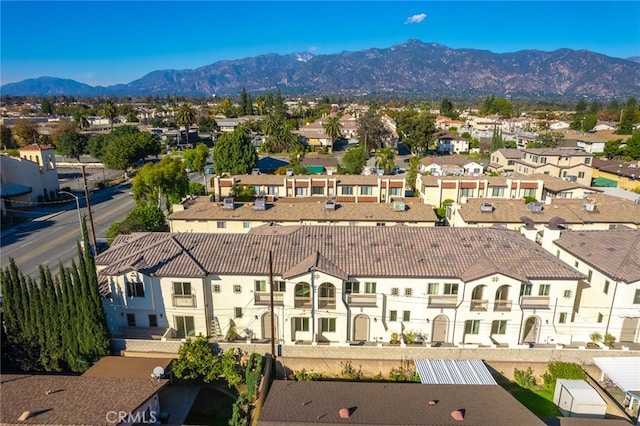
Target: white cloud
x: 313, y: 49
x: 416, y: 19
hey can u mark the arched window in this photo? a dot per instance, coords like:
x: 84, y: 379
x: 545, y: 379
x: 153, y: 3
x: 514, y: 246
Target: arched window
x: 326, y: 296
x: 302, y: 295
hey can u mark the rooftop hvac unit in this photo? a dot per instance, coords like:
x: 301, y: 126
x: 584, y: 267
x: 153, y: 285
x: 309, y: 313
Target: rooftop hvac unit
x: 535, y: 207
x: 486, y: 207
x: 329, y: 205
x: 255, y: 172
x: 260, y: 204
x: 289, y: 172
x: 227, y: 203
x: 398, y: 206
x: 590, y: 207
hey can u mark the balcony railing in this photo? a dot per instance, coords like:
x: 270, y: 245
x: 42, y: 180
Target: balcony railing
x: 326, y: 302
x: 479, y: 304
x: 535, y: 302
x: 445, y: 301
x: 184, y: 300
x: 302, y: 302
x: 355, y: 299
x: 264, y: 298
x: 502, y: 305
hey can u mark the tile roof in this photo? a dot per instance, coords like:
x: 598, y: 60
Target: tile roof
x: 319, y: 402
x: 72, y: 400
x: 296, y: 209
x: 394, y: 251
x: 615, y: 252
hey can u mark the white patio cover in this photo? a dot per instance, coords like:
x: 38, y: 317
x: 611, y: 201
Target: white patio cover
x: 623, y: 371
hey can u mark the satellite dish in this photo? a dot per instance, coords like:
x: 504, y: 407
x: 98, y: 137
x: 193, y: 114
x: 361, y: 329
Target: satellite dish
x: 158, y: 372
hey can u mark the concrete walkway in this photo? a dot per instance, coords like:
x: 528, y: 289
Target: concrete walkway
x: 176, y: 400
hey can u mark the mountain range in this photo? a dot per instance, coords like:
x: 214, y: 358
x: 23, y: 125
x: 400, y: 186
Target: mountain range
x: 410, y: 68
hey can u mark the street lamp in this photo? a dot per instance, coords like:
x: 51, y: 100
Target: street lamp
x: 78, y: 208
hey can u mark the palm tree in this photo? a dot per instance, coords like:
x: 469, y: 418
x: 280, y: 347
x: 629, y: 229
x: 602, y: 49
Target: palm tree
x: 81, y: 117
x: 110, y: 111
x: 283, y: 140
x: 186, y: 116
x: 270, y: 124
x: 333, y: 128
x: 385, y: 158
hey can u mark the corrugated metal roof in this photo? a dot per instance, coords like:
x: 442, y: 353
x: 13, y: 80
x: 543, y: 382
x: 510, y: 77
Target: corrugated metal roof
x: 453, y: 372
x: 623, y: 371
x: 582, y: 391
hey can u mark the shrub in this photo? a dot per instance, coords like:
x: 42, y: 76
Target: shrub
x: 305, y: 376
x: 405, y: 373
x: 253, y: 373
x: 609, y: 339
x: 524, y: 378
x: 395, y: 338
x: 410, y: 337
x: 561, y: 370
x: 595, y: 337
x: 350, y: 372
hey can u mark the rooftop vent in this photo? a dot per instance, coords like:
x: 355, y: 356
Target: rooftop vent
x: 289, y: 172
x: 260, y: 204
x: 457, y: 415
x: 227, y: 203
x: 590, y: 207
x: 345, y: 413
x: 399, y: 206
x: 535, y: 207
x: 486, y: 207
x: 329, y: 205
x: 255, y: 172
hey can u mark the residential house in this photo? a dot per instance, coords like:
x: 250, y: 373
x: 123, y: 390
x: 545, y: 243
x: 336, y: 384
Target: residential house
x: 444, y: 165
x: 593, y: 142
x: 314, y: 135
x: 349, y: 126
x: 450, y: 143
x: 337, y: 285
x: 202, y: 215
x: 616, y: 174
x: 230, y: 124
x: 558, y: 125
x: 571, y: 164
x: 446, y: 123
x: 321, y: 165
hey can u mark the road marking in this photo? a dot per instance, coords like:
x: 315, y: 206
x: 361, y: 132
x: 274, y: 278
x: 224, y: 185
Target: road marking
x: 26, y: 244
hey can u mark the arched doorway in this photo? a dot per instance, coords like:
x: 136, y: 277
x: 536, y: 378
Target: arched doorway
x: 361, y: 328
x: 266, y: 326
x: 440, y: 329
x: 531, y: 330
x: 629, y: 329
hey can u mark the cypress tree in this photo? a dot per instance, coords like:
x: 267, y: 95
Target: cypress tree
x: 72, y: 346
x: 36, y: 343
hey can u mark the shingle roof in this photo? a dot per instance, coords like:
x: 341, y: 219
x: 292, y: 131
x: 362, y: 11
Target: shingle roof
x: 615, y: 252
x: 319, y: 402
x: 398, y: 251
x: 127, y: 366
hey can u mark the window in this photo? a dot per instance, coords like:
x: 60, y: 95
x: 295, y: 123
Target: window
x: 381, y: 224
x: 525, y: 289
x: 353, y: 223
x: 317, y: 190
x: 217, y: 288
x: 237, y: 288
x: 327, y: 324
x: 589, y: 275
x: 600, y: 317
x: 406, y: 315
x: 260, y: 285
x: 529, y: 192
x: 466, y: 192
x: 408, y: 292
x: 347, y: 190
x: 472, y: 327
x: 153, y: 320
x: 182, y: 289
x: 450, y: 288
x: 544, y: 289
x: 563, y: 318
x: 366, y: 190
x: 606, y: 287
x: 575, y: 264
x: 369, y: 287
x: 300, y: 324
x: 135, y: 289
x: 636, y: 297
x: 432, y: 288
x: 587, y: 160
x: 185, y: 327
x: 246, y: 225
x: 395, y: 291
x: 237, y: 312
x: 393, y: 315
x: 497, y: 192
x: 581, y: 175
x: 301, y: 192
x: 131, y: 320
x: 280, y: 286
x: 327, y: 290
x: 567, y: 294
x: 272, y: 190
x: 221, y: 225
x: 557, y: 253
x: 351, y: 287
x: 395, y: 192
x: 499, y: 327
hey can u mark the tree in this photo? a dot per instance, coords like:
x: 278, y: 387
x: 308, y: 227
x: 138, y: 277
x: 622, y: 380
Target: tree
x: 81, y: 117
x: 196, y: 159
x: 196, y: 361
x: 143, y: 218
x: 186, y: 116
x: 385, y: 158
x: 6, y: 137
x: 234, y: 153
x: 166, y: 177
x: 581, y: 107
x: 72, y: 144
x: 496, y: 139
x: 332, y: 127
x: 246, y: 105
x: 416, y: 130
x: 353, y: 161
x: 127, y: 145
x: 412, y: 172
x: 110, y: 111
x: 207, y: 124
x: 25, y: 132
x: 447, y: 109
x: 96, y: 145
x: 45, y: 106
x: 548, y: 139
x: 371, y: 131
x: 282, y: 139
x: 629, y: 118
x: 632, y: 150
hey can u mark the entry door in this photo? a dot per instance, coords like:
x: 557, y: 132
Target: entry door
x: 531, y: 330
x: 440, y: 329
x: 361, y: 328
x: 629, y: 329
x: 266, y: 325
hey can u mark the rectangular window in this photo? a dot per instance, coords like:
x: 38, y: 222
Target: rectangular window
x: 217, y: 288
x: 529, y: 192
x: 525, y: 289
x: 279, y: 286
x: 237, y: 289
x: 606, y: 287
x: 135, y: 289
x: 406, y: 315
x: 369, y: 287
x: 347, y: 190
x: 544, y: 289
x: 432, y: 288
x: 589, y: 275
x: 185, y: 327
x: 272, y: 190
x: 557, y: 253
x: 131, y: 320
x: 182, y: 289
x: 567, y: 294
x: 381, y: 224
x: 237, y: 312
x: 351, y: 287
x: 395, y: 291
x: 246, y: 225
x: 581, y: 175
x: 408, y: 292
x: 499, y: 327
x: 497, y: 192
x: 575, y: 264
x: 563, y: 318
x: 636, y: 297
x: 467, y: 192
x: 301, y: 192
x: 587, y: 160
x: 395, y: 192
x: 153, y: 320
x: 317, y: 190
x: 600, y: 317
x: 260, y: 285
x: 450, y: 288
x: 472, y: 327
x: 221, y: 225
x: 300, y: 324
x: 393, y: 315
x: 328, y: 325
x: 366, y: 190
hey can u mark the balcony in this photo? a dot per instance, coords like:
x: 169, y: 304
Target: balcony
x: 184, y: 300
x: 446, y: 301
x: 479, y: 305
x: 264, y: 298
x: 502, y: 305
x: 535, y: 302
x: 326, y: 302
x: 302, y: 302
x: 362, y: 300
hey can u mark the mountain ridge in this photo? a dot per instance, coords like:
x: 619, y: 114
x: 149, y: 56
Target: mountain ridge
x: 412, y: 67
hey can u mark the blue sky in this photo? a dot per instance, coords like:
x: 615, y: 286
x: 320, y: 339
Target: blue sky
x: 110, y: 42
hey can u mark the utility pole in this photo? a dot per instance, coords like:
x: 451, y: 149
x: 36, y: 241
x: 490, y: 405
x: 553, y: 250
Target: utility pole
x: 273, y: 325
x: 86, y: 196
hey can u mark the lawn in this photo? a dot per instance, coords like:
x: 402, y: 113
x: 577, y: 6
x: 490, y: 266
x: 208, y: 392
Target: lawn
x: 211, y: 407
x: 539, y: 402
